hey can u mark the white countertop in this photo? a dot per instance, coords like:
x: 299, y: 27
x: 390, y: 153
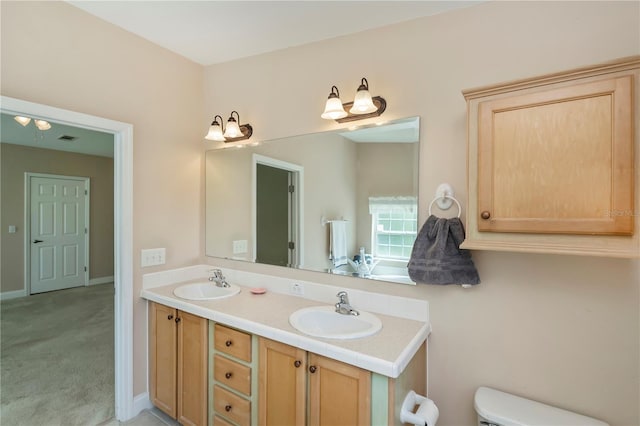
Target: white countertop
x: 387, y: 352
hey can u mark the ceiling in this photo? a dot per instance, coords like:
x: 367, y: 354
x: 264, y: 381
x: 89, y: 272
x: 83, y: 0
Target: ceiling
x: 210, y: 32
x: 86, y: 141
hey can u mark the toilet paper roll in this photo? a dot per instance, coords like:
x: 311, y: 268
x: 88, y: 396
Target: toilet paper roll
x: 426, y: 414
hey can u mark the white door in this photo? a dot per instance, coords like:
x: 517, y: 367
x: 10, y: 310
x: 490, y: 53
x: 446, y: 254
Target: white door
x: 58, y: 232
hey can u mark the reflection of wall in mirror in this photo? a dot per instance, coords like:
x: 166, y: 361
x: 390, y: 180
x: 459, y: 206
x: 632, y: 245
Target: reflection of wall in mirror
x: 329, y: 190
x: 398, y: 160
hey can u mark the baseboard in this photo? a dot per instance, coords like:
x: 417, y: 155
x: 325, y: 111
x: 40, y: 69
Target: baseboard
x: 100, y: 280
x: 13, y: 294
x: 141, y: 402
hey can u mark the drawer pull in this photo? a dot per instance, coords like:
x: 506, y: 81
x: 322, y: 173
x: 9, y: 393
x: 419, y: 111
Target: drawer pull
x: 228, y: 375
x: 485, y: 215
x: 297, y: 363
x: 227, y: 408
x: 170, y: 317
x: 178, y: 319
x: 312, y: 369
x: 228, y: 343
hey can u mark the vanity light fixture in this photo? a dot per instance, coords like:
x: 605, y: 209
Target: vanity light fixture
x: 363, y: 106
x: 215, y: 130
x: 333, y: 109
x: 234, y: 131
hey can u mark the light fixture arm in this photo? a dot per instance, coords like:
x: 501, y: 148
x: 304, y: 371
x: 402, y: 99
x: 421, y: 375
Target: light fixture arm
x: 215, y: 122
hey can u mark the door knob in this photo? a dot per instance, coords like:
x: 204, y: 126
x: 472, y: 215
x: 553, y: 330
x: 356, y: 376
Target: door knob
x: 37, y: 241
x: 228, y: 375
x: 312, y: 369
x: 297, y: 363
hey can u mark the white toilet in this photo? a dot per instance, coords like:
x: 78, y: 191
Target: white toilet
x: 497, y: 408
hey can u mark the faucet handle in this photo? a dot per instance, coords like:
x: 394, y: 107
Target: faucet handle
x: 343, y: 296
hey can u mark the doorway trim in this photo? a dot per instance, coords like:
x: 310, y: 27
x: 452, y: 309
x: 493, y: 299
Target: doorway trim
x: 123, y: 234
x: 27, y: 224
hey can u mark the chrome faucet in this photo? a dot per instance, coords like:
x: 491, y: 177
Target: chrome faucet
x: 218, y: 278
x: 343, y: 307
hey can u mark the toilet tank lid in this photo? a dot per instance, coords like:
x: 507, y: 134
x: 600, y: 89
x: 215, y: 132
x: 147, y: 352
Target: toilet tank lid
x: 510, y: 410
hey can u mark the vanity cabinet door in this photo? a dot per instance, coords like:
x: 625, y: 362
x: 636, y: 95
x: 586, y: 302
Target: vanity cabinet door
x: 163, y: 337
x: 339, y: 394
x: 192, y: 369
x: 281, y: 384
x: 178, y: 364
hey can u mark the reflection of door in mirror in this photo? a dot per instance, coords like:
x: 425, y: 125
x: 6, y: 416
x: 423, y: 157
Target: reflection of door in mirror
x: 273, y: 215
x: 278, y: 187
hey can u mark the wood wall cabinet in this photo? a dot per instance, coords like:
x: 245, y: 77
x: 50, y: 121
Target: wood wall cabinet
x: 178, y: 364
x: 552, y: 163
x: 298, y: 388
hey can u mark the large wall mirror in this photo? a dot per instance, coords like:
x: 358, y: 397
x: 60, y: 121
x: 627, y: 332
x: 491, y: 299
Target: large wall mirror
x: 342, y: 202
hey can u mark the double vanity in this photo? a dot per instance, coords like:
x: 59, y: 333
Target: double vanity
x: 270, y: 350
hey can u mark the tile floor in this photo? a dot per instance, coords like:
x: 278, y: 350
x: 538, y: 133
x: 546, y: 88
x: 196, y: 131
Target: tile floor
x: 152, y: 417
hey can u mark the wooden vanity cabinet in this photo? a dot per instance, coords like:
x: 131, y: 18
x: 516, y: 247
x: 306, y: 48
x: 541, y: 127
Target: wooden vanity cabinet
x: 298, y: 388
x: 338, y: 393
x: 178, y: 364
x: 552, y: 165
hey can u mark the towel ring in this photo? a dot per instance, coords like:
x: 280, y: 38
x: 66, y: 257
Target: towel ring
x: 447, y: 197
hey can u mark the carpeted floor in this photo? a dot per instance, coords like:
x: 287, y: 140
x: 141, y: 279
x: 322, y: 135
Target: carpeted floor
x: 57, y: 358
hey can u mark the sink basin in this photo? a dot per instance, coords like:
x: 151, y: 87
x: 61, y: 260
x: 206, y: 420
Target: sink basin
x: 324, y: 321
x: 205, y: 291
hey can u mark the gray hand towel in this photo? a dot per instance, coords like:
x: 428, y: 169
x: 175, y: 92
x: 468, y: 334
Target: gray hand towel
x: 436, y: 257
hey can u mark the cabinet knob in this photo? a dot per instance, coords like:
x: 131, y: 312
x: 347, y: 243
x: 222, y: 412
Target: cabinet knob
x: 297, y: 363
x: 485, y: 215
x: 178, y: 319
x: 312, y: 369
x: 228, y: 375
x: 228, y: 343
x: 227, y: 408
x: 170, y: 317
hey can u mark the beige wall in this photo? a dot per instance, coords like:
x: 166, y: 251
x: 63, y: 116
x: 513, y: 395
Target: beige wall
x: 560, y: 329
x: 58, y: 55
x: 16, y: 160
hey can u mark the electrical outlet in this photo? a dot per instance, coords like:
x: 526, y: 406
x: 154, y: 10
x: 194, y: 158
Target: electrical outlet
x: 297, y: 289
x: 152, y: 257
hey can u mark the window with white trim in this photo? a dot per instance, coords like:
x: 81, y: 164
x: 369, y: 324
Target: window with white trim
x: 394, y: 226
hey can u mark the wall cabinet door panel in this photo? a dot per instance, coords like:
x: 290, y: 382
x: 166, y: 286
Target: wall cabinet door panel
x: 552, y: 163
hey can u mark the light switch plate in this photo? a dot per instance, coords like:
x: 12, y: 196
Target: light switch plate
x: 153, y: 257
x: 239, y: 246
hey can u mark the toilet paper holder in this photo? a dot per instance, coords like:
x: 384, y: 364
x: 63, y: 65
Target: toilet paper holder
x: 426, y: 414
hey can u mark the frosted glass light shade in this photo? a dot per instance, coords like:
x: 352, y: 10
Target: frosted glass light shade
x: 233, y: 130
x: 22, y: 120
x: 215, y: 133
x: 363, y: 104
x: 333, y: 109
x: 42, y: 125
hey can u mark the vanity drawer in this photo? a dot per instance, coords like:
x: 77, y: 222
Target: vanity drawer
x: 233, y: 342
x: 232, y: 374
x: 219, y: 421
x: 233, y: 407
